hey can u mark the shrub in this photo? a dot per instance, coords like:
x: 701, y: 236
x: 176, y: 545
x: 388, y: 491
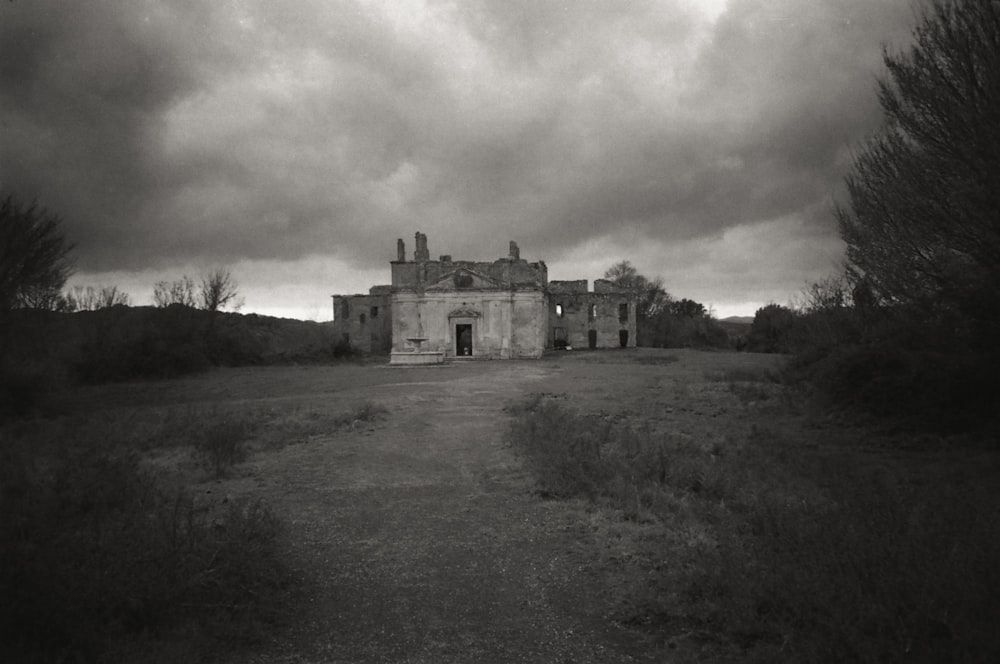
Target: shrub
x: 222, y: 443
x: 342, y: 348
x: 367, y: 412
x: 932, y: 391
x: 562, y: 449
x: 143, y: 343
x: 772, y: 330
x: 93, y: 550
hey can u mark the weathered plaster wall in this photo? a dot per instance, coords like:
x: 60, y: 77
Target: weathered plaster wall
x: 366, y: 320
x: 505, y: 324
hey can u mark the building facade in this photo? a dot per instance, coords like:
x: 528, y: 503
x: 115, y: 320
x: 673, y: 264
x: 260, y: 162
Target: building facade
x: 580, y: 318
x: 501, y: 309
x: 364, y: 322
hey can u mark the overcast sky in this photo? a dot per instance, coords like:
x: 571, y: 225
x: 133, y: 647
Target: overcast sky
x: 295, y: 140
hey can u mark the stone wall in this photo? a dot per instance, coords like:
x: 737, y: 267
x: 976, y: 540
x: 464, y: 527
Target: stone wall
x: 582, y: 319
x: 501, y: 324
x: 364, y: 322
x: 509, y: 272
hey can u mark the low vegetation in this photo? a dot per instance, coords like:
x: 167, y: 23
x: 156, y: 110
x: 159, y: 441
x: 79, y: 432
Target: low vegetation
x: 109, y: 552
x: 883, y: 365
x: 775, y: 550
x: 128, y: 343
x: 97, y: 554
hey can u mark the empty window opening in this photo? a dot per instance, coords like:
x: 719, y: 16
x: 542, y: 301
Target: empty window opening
x: 623, y: 312
x: 363, y: 319
x: 623, y: 338
x: 374, y: 312
x: 559, y: 311
x: 463, y: 339
x: 592, y: 339
x: 345, y: 309
x: 592, y: 313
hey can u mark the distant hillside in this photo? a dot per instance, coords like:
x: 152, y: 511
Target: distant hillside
x: 743, y: 320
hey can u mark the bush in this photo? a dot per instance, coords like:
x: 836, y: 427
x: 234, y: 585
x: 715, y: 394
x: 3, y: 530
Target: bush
x: 140, y: 343
x: 93, y: 551
x: 562, y: 450
x: 367, y: 412
x: 772, y: 330
x: 222, y: 443
x: 342, y: 348
x: 924, y: 390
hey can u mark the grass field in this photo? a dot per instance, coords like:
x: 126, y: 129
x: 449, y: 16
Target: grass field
x: 626, y: 506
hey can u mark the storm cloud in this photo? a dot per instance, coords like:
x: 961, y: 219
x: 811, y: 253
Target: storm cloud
x: 295, y: 140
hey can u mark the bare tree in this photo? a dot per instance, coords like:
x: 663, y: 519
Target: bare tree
x: 831, y: 293
x: 219, y: 290
x: 180, y: 291
x: 91, y: 299
x: 34, y: 257
x: 923, y: 225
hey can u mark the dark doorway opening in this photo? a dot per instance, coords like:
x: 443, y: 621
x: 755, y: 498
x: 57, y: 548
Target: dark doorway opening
x: 559, y: 338
x: 623, y: 338
x: 463, y: 340
x: 592, y: 339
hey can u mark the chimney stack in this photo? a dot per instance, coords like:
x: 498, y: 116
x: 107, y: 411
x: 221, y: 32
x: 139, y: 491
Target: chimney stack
x: 421, y: 253
x: 400, y: 250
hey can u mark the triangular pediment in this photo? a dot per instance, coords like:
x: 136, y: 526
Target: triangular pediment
x: 464, y: 279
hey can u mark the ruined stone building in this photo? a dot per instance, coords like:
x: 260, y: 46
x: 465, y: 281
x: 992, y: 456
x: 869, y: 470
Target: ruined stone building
x: 444, y: 309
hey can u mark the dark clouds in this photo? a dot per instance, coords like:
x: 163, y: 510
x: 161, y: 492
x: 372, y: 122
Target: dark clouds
x: 271, y: 130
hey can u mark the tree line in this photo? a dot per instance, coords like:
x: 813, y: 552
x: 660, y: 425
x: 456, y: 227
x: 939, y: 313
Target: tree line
x: 35, y: 264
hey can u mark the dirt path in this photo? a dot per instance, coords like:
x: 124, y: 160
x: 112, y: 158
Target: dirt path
x: 419, y: 540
